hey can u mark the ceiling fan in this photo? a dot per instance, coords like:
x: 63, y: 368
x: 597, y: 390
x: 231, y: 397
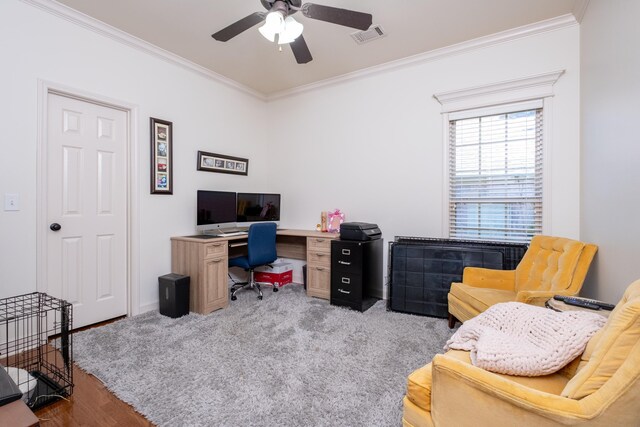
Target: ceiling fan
x: 280, y: 25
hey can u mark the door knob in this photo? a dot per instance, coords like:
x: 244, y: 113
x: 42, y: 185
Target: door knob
x: 55, y: 226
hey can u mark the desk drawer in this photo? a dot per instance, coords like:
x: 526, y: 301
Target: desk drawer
x: 318, y: 244
x: 319, y: 258
x: 318, y: 281
x: 217, y: 249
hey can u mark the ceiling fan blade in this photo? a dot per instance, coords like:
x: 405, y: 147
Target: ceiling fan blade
x: 236, y: 28
x: 348, y: 18
x: 301, y: 50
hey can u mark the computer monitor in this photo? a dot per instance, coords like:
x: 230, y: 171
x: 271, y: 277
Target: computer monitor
x: 216, y: 209
x: 257, y: 207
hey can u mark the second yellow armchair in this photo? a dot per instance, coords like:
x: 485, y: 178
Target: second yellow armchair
x: 551, y: 266
x: 600, y: 388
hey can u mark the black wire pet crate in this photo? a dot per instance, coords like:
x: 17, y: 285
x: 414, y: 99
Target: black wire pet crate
x: 36, y: 346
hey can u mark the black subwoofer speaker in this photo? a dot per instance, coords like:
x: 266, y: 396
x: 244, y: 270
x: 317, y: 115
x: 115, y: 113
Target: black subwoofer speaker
x: 174, y: 295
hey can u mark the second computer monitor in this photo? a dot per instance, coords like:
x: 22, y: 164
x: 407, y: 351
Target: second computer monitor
x: 256, y: 207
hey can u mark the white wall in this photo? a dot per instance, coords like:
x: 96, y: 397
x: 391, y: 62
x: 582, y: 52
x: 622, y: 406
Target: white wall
x: 373, y: 147
x: 206, y: 115
x: 610, y: 69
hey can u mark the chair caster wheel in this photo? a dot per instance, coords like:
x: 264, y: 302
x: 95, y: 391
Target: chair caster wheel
x: 259, y: 296
x: 233, y: 297
x: 275, y: 289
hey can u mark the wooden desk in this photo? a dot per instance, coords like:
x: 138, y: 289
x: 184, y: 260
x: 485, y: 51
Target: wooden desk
x: 206, y: 261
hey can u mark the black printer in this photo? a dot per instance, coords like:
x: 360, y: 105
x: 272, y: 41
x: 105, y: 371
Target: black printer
x: 360, y: 231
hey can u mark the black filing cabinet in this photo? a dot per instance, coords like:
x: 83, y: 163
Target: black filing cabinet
x: 356, y: 273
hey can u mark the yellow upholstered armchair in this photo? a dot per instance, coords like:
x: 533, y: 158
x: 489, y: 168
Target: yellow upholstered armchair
x: 551, y: 266
x: 599, y: 388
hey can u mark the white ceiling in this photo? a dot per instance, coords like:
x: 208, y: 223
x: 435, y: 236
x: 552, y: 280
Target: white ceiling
x: 184, y: 27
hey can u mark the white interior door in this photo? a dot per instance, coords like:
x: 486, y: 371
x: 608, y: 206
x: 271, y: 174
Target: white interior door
x: 87, y: 208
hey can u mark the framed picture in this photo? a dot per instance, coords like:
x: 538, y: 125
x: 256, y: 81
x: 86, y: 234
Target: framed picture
x: 161, y: 157
x: 213, y: 162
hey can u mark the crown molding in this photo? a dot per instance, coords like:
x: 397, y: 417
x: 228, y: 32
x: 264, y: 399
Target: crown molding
x: 99, y: 27
x: 579, y: 9
x: 548, y: 25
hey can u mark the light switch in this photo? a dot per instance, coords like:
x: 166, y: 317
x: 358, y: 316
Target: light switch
x: 11, y: 202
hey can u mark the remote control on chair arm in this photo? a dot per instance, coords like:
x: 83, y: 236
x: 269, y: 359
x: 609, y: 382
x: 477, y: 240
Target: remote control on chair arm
x: 579, y: 303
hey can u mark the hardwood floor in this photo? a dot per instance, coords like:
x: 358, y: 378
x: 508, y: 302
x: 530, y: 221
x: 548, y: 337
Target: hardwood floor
x: 91, y: 404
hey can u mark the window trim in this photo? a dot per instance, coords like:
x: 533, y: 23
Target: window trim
x: 492, y: 98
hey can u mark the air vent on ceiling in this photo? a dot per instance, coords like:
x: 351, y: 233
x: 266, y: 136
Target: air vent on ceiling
x: 373, y: 33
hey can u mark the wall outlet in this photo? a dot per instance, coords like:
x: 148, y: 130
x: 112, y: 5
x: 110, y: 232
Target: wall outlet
x: 11, y: 202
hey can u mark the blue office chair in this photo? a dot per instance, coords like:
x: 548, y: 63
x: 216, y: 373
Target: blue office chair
x: 261, y: 250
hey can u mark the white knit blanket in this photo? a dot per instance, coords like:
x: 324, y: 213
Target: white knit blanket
x: 520, y: 339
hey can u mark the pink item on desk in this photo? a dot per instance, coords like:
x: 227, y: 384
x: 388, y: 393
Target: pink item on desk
x: 334, y: 219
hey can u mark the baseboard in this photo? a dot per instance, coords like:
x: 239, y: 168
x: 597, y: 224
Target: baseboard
x: 154, y: 306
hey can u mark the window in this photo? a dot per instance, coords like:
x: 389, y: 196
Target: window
x: 495, y: 174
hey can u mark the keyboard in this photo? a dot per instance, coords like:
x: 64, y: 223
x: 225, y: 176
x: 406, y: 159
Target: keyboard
x: 233, y: 233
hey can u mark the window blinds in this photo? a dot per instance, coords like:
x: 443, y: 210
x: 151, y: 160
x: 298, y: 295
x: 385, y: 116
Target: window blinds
x: 495, y: 176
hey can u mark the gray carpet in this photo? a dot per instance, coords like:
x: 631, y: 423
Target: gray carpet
x: 287, y: 360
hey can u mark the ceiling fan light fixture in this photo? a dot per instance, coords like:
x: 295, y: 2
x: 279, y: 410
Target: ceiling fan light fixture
x: 292, y: 30
x: 278, y: 27
x: 273, y: 24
